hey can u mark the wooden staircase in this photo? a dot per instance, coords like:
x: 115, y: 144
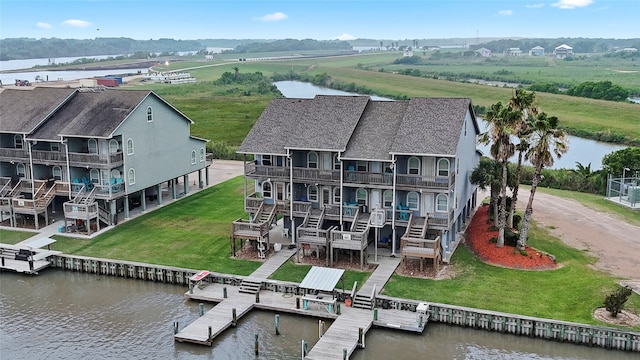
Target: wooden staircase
x: 361, y: 223
x: 250, y: 286
x: 414, y: 243
x: 314, y: 219
x: 417, y: 228
x: 362, y: 301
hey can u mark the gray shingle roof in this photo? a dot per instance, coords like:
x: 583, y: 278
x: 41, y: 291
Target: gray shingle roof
x: 324, y: 122
x: 376, y: 132
x: 91, y: 114
x: 364, y: 129
x: 21, y: 111
x: 432, y: 126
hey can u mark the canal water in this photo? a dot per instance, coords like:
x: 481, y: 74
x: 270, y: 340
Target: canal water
x: 68, y: 315
x: 581, y: 150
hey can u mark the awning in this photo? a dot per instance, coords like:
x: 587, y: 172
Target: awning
x: 322, y: 278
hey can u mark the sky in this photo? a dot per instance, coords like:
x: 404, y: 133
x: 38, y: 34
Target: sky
x: 319, y: 19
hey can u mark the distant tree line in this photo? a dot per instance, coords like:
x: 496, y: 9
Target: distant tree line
x: 29, y: 48
x: 291, y: 45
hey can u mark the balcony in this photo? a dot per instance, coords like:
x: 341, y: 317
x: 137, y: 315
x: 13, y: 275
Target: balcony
x: 440, y: 220
x: 425, y: 182
x: 59, y: 158
x: 360, y: 177
x: 254, y: 170
x: 311, y: 175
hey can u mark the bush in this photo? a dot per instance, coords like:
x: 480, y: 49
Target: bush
x: 510, y: 237
x: 614, y: 303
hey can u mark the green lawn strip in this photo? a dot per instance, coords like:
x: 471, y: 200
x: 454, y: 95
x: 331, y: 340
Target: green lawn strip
x: 13, y: 237
x: 293, y: 272
x: 569, y: 293
x: 192, y: 233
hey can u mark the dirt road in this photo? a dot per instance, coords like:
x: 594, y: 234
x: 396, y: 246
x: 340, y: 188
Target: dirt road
x: 614, y: 242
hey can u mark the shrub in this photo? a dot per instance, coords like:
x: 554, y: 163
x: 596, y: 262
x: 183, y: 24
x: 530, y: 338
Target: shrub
x: 493, y: 240
x: 614, y: 302
x: 524, y: 253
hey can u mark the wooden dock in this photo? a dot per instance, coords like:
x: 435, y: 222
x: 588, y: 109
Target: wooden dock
x: 25, y: 257
x: 386, y: 267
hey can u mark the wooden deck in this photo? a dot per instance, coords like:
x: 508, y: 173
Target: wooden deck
x: 273, y: 263
x: 38, y: 261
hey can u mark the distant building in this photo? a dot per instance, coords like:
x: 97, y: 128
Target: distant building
x: 563, y: 51
x: 484, y: 52
x: 513, y: 52
x: 536, y: 51
x: 628, y: 49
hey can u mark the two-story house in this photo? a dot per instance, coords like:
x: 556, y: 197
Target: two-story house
x: 336, y: 167
x: 92, y: 153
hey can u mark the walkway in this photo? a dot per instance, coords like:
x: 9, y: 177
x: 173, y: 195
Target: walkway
x: 386, y: 267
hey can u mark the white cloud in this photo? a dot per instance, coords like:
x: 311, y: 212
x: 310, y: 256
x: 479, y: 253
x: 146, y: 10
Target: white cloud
x: 76, y: 23
x: 276, y: 16
x: 535, y: 6
x: 345, y: 37
x: 505, y: 12
x: 572, y: 4
x: 43, y: 25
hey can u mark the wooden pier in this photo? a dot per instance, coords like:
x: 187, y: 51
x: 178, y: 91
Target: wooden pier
x: 26, y: 257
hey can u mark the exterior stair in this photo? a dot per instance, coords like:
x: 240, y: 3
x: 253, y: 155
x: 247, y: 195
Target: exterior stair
x: 362, y: 301
x: 250, y: 286
x: 361, y: 224
x: 417, y: 228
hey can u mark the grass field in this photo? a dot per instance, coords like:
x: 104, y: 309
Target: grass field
x: 194, y: 233
x: 597, y: 119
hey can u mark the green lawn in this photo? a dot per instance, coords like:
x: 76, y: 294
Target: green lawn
x: 191, y: 233
x: 14, y: 237
x: 569, y: 293
x: 293, y: 272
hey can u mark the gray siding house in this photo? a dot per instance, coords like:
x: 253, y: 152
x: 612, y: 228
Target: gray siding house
x: 338, y: 167
x: 92, y: 153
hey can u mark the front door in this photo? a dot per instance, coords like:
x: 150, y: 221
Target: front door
x: 325, y: 195
x: 376, y: 202
x: 428, y: 204
x: 280, y: 194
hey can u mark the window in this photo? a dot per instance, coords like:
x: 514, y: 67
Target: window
x: 149, y: 114
x: 94, y: 176
x: 312, y: 160
x: 21, y: 171
x: 17, y: 142
x: 113, y: 146
x: 336, y: 195
x: 92, y: 145
x: 55, y: 146
x: 132, y: 176
x: 443, y: 167
x: 280, y: 161
x: 413, y: 166
x: 376, y: 167
x: 115, y: 173
x: 362, y: 166
x: 193, y: 157
x: 413, y: 199
x: 361, y: 196
x: 56, y: 171
x: 442, y: 203
x: 266, y: 189
x: 336, y: 162
x: 388, y: 198
x: 266, y: 160
x: 202, y: 154
x: 312, y: 193
x: 327, y: 163
x: 130, y: 147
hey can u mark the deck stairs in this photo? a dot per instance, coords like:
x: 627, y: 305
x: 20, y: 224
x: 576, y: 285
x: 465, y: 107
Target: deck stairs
x: 314, y: 219
x: 45, y: 198
x: 363, y: 299
x: 361, y: 224
x: 103, y: 215
x: 417, y: 228
x: 265, y: 215
x: 250, y: 286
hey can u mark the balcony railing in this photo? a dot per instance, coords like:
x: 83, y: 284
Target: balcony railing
x: 309, y: 174
x: 80, y: 211
x: 359, y: 177
x: 60, y: 158
x: 440, y: 220
x: 274, y: 172
x: 420, y: 181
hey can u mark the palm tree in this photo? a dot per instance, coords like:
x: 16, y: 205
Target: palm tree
x: 547, y: 140
x: 488, y: 174
x: 524, y: 102
x: 501, y: 120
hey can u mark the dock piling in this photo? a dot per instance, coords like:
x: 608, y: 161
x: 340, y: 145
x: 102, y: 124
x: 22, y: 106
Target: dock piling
x: 361, y: 338
x: 175, y: 327
x: 320, y: 328
x: 201, y: 308
x: 234, y: 317
x: 224, y: 292
x: 277, y: 324
x: 297, y: 302
x: 256, y: 346
x: 210, y: 333
x: 304, y: 349
x: 375, y: 314
x: 190, y: 288
x: 344, y: 354
x: 257, y: 297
